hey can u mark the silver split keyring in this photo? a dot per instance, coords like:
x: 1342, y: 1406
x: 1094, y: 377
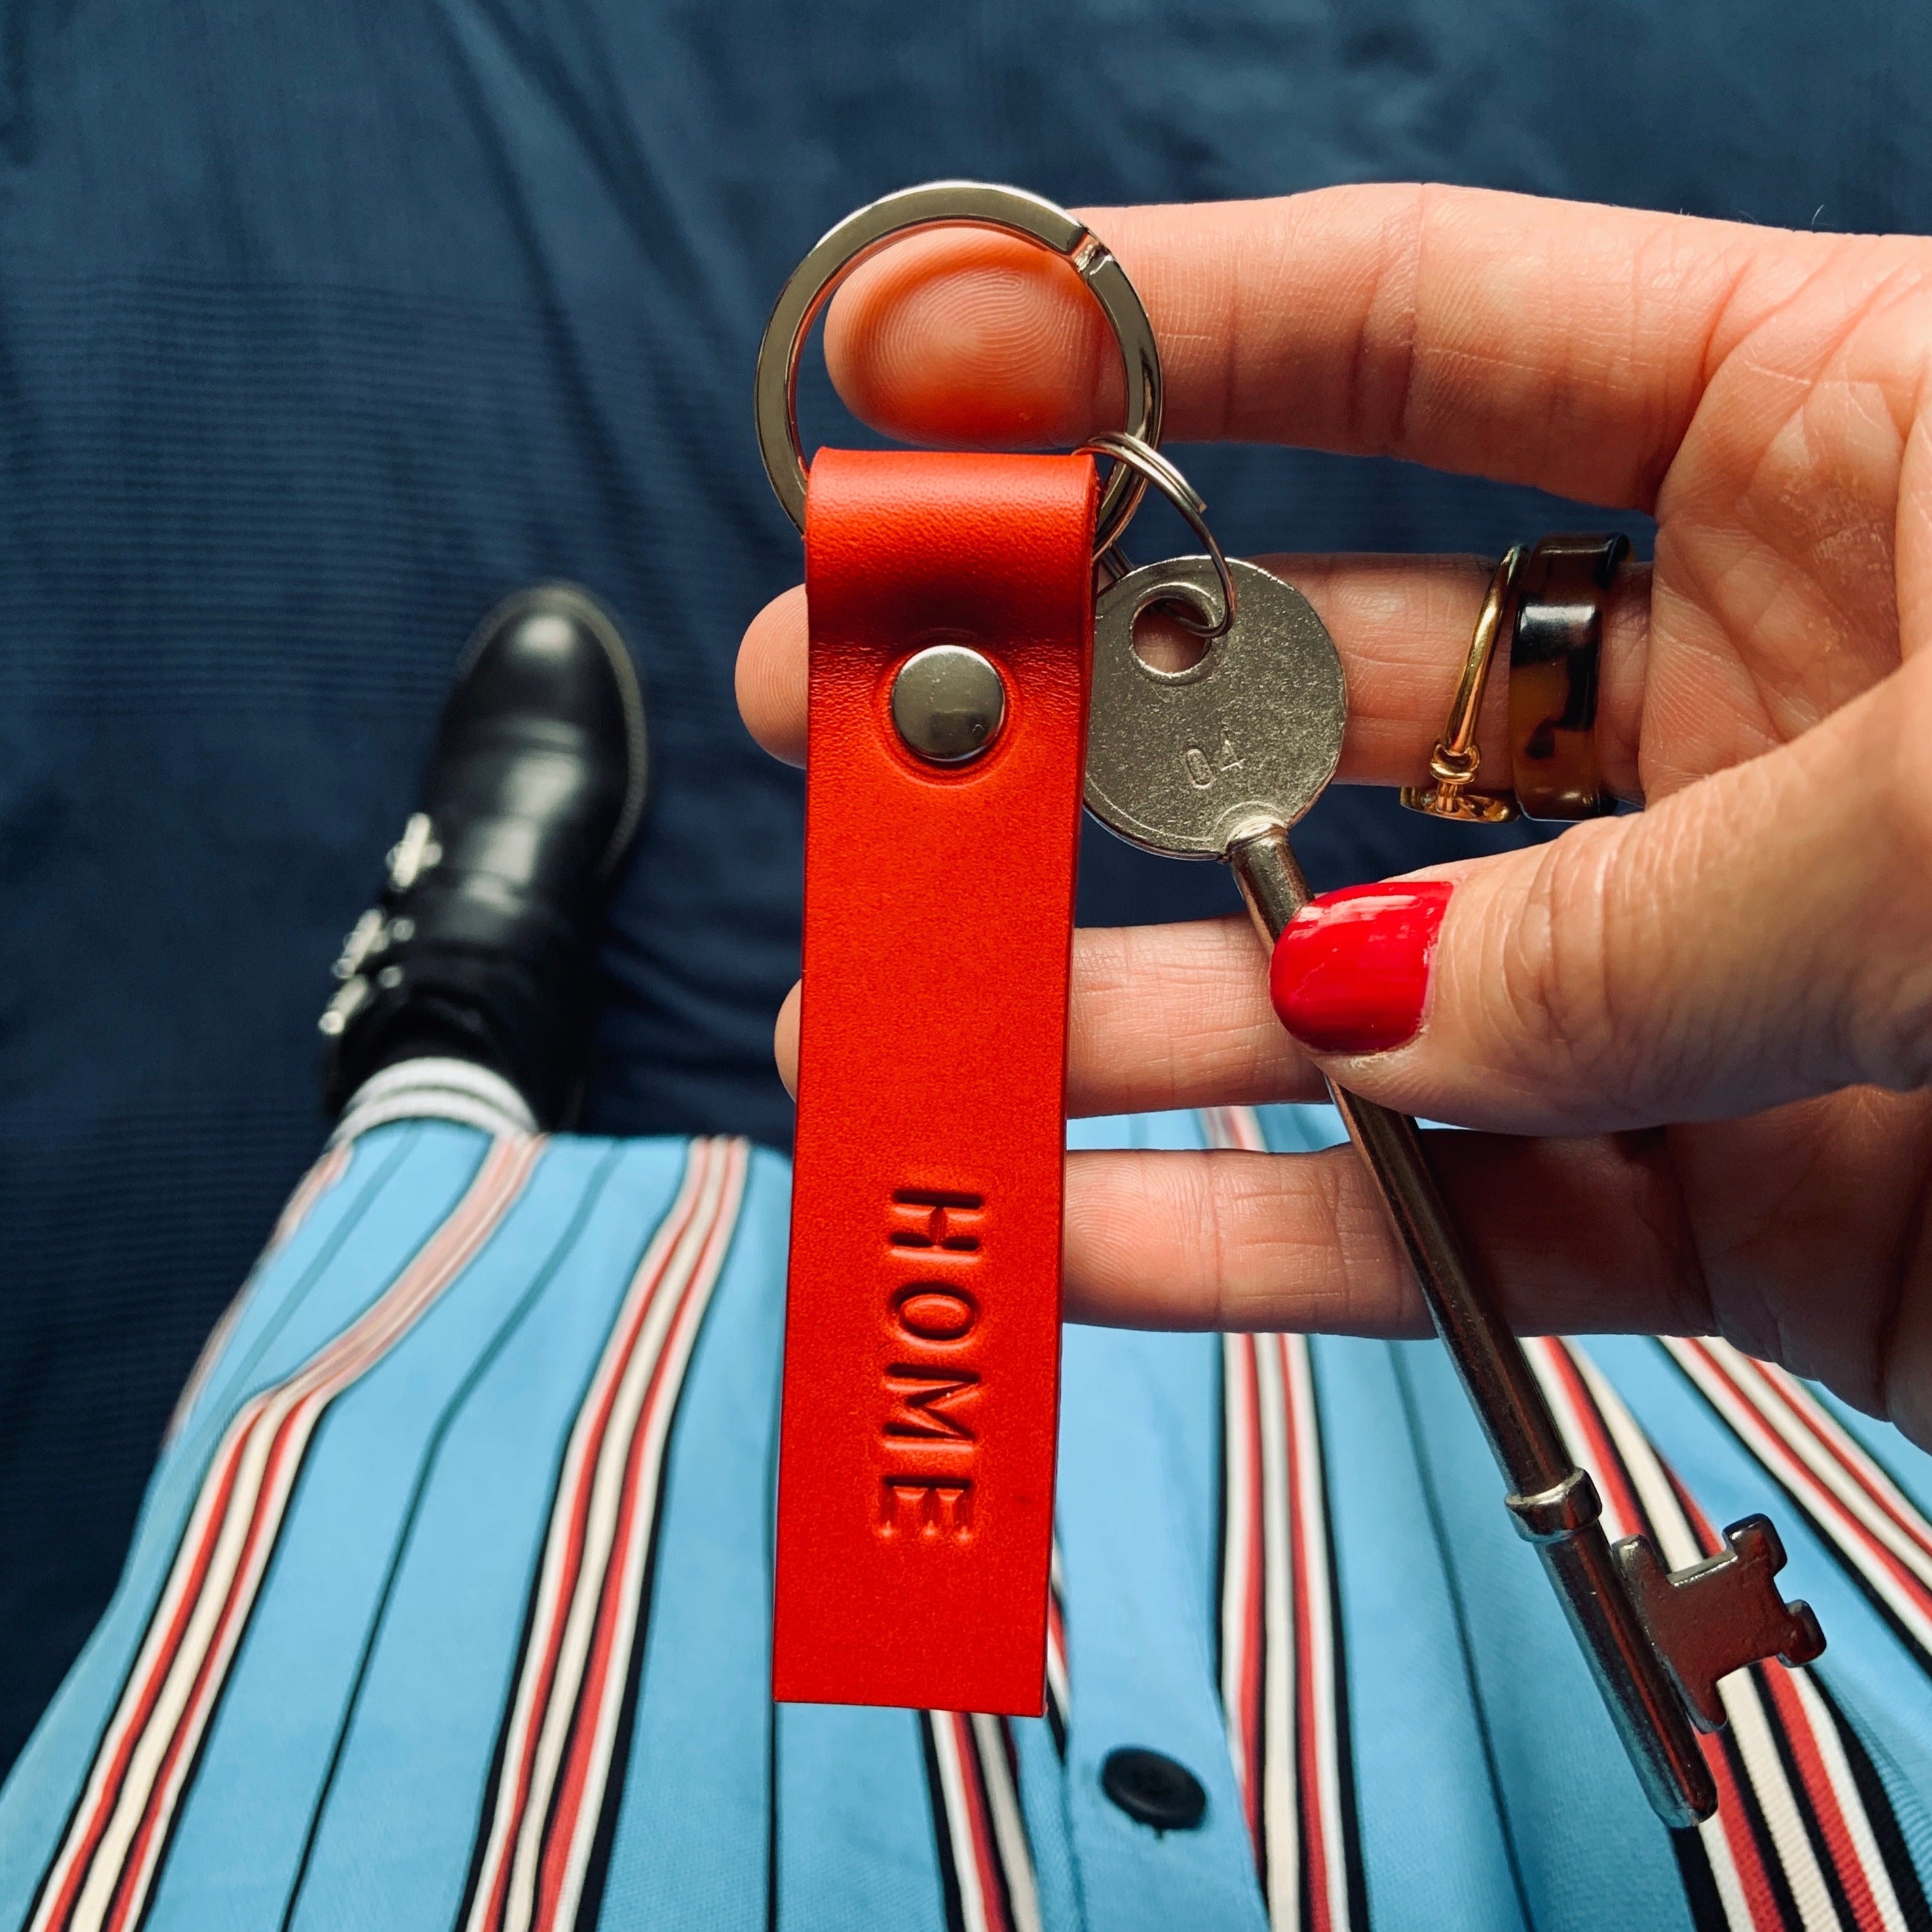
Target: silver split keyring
x: 1129, y: 452
x: 944, y: 204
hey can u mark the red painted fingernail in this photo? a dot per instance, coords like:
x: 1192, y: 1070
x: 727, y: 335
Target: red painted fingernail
x: 1351, y: 971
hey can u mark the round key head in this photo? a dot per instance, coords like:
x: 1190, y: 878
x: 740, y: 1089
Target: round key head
x: 1187, y: 762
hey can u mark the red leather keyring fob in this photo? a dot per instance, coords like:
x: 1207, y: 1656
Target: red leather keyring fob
x: 921, y: 1368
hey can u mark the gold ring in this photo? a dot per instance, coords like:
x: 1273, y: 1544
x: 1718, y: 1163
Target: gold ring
x: 1455, y: 761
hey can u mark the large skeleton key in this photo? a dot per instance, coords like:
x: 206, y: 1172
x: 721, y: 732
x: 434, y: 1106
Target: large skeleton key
x: 1218, y: 761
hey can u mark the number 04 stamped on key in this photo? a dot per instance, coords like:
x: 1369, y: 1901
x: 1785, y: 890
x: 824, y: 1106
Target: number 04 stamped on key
x: 1247, y: 737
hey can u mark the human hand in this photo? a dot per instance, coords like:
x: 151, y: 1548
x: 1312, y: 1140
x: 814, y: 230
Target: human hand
x: 1698, y: 1038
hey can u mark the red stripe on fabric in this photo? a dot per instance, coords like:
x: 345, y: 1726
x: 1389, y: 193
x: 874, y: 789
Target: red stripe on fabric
x: 1622, y: 1503
x: 590, y: 1692
x: 137, y: 1723
x: 1826, y: 1504
x: 1620, y: 1498
x: 1254, y: 1675
x: 577, y: 1518
x: 232, y: 1606
x: 1814, y: 1779
x: 1733, y: 1820
x: 552, y: 1650
x: 309, y: 1388
x: 453, y: 1246
x: 1708, y: 1542
x: 1821, y: 1429
x: 561, y: 1834
x: 1851, y: 1456
x: 1823, y: 1795
x: 1254, y: 1680
x: 1734, y: 1817
x: 1317, y: 1853
x: 980, y: 1824
x: 313, y: 1185
x: 1887, y: 1559
x: 319, y: 1180
x: 1251, y: 1531
x: 1058, y: 1689
x: 569, y: 1806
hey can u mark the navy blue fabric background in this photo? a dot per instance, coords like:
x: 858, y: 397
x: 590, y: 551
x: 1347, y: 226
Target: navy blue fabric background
x: 323, y: 327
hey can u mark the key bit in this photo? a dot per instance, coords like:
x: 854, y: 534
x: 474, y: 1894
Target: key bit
x: 1715, y: 1617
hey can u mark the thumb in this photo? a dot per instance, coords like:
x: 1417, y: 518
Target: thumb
x: 1763, y: 935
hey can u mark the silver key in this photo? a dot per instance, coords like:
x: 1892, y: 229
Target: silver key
x: 1218, y: 761
x: 1183, y: 762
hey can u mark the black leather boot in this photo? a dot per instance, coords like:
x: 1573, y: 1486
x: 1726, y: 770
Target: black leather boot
x: 482, y: 947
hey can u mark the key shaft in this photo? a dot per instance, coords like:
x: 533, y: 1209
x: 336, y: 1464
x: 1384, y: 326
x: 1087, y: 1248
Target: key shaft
x: 1555, y: 1504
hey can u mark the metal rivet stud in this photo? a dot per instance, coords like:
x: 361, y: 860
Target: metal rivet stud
x: 948, y: 703
x: 1153, y: 1789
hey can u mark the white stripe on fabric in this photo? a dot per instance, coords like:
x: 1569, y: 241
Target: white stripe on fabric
x: 1842, y: 1467
x: 435, y: 1089
x: 645, y: 1480
x: 946, y: 1743
x: 1744, y: 1704
x: 1751, y: 1729
x: 1241, y: 1429
x: 1753, y: 1723
x: 1854, y: 1503
x: 1238, y: 1128
x: 313, y: 1185
x: 560, y: 1571
x: 1543, y: 1352
x: 1058, y: 1685
x: 99, y: 1879
x: 1280, y: 1806
x: 1272, y: 1425
x: 1316, y: 1605
x: 1003, y: 1807
x: 607, y: 1490
x: 1851, y: 1803
x: 1726, y: 1876
x: 561, y: 1728
x: 1856, y: 1507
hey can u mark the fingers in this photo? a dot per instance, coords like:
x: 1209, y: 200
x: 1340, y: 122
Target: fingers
x: 1159, y: 1016
x: 771, y: 676
x: 1760, y: 937
x: 1402, y: 625
x: 1578, y: 1236
x: 785, y: 1040
x: 1539, y: 342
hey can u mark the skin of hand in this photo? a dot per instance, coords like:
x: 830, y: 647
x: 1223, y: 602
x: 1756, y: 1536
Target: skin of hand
x: 1696, y: 1040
